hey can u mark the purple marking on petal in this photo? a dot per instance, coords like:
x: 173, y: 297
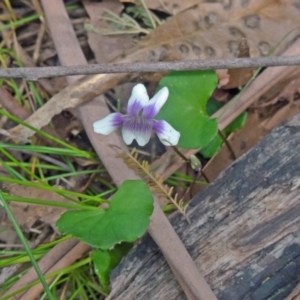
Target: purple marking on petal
x: 137, y: 124
x: 152, y: 108
x: 109, y: 123
x: 158, y: 126
x: 118, y: 119
x: 134, y: 109
x: 137, y: 128
x: 150, y: 111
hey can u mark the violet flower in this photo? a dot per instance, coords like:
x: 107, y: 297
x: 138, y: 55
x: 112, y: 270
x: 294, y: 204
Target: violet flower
x: 139, y: 121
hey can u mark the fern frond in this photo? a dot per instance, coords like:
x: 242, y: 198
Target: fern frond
x: 155, y: 182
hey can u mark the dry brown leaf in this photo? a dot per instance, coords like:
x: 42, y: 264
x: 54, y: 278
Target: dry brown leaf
x: 11, y: 104
x: 66, y: 124
x: 105, y: 48
x: 234, y: 78
x: 212, y: 31
x: 27, y: 214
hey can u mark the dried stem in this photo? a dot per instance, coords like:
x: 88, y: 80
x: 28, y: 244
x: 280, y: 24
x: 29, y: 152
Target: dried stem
x: 228, y: 63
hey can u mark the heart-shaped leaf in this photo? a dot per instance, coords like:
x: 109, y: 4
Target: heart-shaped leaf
x: 106, y: 260
x: 185, y: 108
x: 126, y: 219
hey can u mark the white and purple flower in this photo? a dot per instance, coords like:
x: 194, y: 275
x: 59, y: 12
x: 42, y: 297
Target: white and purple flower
x: 139, y: 121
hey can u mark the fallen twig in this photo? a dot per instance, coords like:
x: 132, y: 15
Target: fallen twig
x: 132, y: 67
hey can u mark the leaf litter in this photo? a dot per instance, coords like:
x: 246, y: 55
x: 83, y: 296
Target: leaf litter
x: 214, y: 30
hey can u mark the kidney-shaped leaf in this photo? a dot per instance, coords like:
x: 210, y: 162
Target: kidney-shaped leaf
x: 126, y: 219
x: 185, y: 108
x: 106, y: 260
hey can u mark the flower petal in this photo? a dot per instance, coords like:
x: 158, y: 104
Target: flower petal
x: 155, y: 104
x: 138, y: 99
x: 137, y: 128
x: 141, y: 138
x: 109, y: 123
x: 166, y: 133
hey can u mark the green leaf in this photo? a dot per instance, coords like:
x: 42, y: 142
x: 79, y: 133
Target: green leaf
x: 236, y: 124
x: 126, y: 219
x: 185, y: 108
x: 213, y: 106
x: 214, y: 146
x: 106, y: 260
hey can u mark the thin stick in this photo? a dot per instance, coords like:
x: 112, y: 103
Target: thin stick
x: 223, y: 137
x: 180, y: 154
x: 228, y: 63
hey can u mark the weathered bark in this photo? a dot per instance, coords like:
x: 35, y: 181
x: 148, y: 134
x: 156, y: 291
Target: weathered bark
x: 244, y: 233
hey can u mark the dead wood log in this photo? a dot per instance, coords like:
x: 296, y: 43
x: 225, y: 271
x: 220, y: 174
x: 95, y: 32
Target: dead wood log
x: 244, y: 233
